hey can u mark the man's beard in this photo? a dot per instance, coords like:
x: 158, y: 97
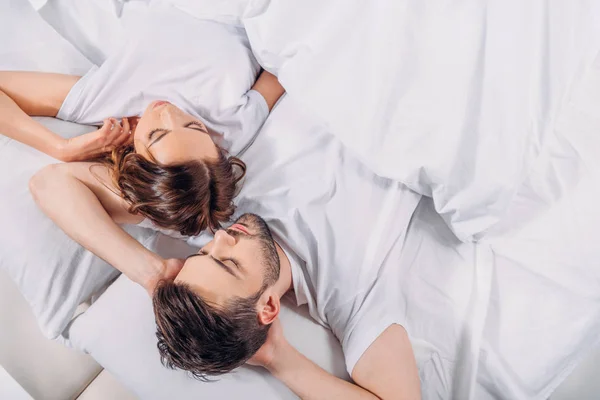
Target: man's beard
x: 260, y: 232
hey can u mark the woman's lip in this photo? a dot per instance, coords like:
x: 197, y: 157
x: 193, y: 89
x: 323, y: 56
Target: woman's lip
x: 241, y: 228
x: 159, y: 103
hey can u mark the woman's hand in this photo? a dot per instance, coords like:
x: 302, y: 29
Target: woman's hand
x: 91, y: 145
x: 165, y: 270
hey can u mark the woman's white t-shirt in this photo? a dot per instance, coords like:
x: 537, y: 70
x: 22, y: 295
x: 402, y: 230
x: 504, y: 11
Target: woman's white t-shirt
x: 203, y: 67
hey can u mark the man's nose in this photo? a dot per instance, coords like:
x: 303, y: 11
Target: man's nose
x: 223, y: 240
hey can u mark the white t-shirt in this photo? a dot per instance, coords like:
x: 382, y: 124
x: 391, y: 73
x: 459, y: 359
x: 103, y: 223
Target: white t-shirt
x: 336, y: 221
x: 203, y: 67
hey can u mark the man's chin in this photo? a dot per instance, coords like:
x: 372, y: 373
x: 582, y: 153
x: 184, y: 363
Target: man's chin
x: 255, y: 225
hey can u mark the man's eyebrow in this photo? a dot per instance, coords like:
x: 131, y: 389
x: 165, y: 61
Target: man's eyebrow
x: 225, y: 267
x: 219, y: 263
x: 165, y: 133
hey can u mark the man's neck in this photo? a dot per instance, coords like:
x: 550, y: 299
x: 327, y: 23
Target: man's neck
x: 284, y: 283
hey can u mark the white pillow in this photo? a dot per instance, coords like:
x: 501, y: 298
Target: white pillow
x: 53, y: 273
x: 119, y: 331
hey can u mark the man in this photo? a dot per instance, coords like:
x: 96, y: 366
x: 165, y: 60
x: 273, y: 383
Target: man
x: 221, y: 312
x: 336, y: 235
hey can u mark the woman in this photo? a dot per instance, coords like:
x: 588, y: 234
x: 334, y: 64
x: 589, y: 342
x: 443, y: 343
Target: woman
x: 185, y: 184
x: 168, y: 169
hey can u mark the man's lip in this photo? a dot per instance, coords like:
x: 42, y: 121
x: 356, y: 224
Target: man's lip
x: 241, y: 228
x: 159, y: 103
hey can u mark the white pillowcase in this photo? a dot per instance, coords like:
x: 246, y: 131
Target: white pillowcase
x: 119, y: 331
x: 53, y: 273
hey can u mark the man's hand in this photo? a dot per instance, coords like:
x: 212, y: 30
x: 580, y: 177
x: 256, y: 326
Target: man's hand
x: 289, y: 366
x: 267, y: 354
x: 91, y: 145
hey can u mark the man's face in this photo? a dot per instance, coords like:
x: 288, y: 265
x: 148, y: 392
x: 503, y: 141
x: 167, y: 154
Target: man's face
x: 236, y: 263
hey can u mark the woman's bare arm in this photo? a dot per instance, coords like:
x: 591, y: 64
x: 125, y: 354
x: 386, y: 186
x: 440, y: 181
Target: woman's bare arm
x: 23, y: 94
x: 80, y: 199
x: 37, y: 93
x: 269, y: 87
x: 26, y: 94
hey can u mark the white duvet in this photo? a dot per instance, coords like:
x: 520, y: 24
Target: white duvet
x: 456, y: 99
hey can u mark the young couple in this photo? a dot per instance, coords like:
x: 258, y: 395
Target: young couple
x: 215, y: 311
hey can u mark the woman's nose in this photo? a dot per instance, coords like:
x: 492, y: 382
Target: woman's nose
x: 167, y: 115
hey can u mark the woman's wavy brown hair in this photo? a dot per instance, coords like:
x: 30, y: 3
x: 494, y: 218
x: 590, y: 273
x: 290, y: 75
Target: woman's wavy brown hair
x: 188, y: 197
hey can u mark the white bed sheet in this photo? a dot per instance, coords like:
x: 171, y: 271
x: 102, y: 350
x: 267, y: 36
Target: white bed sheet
x: 94, y: 27
x: 546, y: 286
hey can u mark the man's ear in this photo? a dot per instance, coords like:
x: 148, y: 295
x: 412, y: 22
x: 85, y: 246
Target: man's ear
x: 269, y: 305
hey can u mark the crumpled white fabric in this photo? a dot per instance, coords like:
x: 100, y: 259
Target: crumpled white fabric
x: 455, y: 99
x: 94, y: 27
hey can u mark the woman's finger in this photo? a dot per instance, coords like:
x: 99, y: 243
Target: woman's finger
x: 115, y: 131
x: 123, y: 135
x: 121, y: 140
x: 126, y: 126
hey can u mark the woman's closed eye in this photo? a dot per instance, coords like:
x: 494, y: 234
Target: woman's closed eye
x: 196, y: 126
x: 163, y: 133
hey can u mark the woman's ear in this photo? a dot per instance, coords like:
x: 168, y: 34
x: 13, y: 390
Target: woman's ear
x: 269, y: 305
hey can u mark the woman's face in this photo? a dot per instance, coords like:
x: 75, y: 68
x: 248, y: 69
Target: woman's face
x: 172, y: 136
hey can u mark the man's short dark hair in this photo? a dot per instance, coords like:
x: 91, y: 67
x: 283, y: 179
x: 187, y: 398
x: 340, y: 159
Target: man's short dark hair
x: 202, y: 339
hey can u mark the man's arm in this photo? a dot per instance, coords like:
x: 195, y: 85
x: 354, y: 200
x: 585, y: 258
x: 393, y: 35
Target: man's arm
x: 387, y: 370
x: 269, y: 87
x: 388, y: 367
x: 80, y: 199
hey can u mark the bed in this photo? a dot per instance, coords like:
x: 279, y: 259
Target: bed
x: 535, y: 263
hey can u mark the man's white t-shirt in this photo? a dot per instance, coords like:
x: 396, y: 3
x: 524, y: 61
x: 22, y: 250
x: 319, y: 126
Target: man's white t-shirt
x: 366, y: 252
x: 336, y: 221
x: 203, y: 67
